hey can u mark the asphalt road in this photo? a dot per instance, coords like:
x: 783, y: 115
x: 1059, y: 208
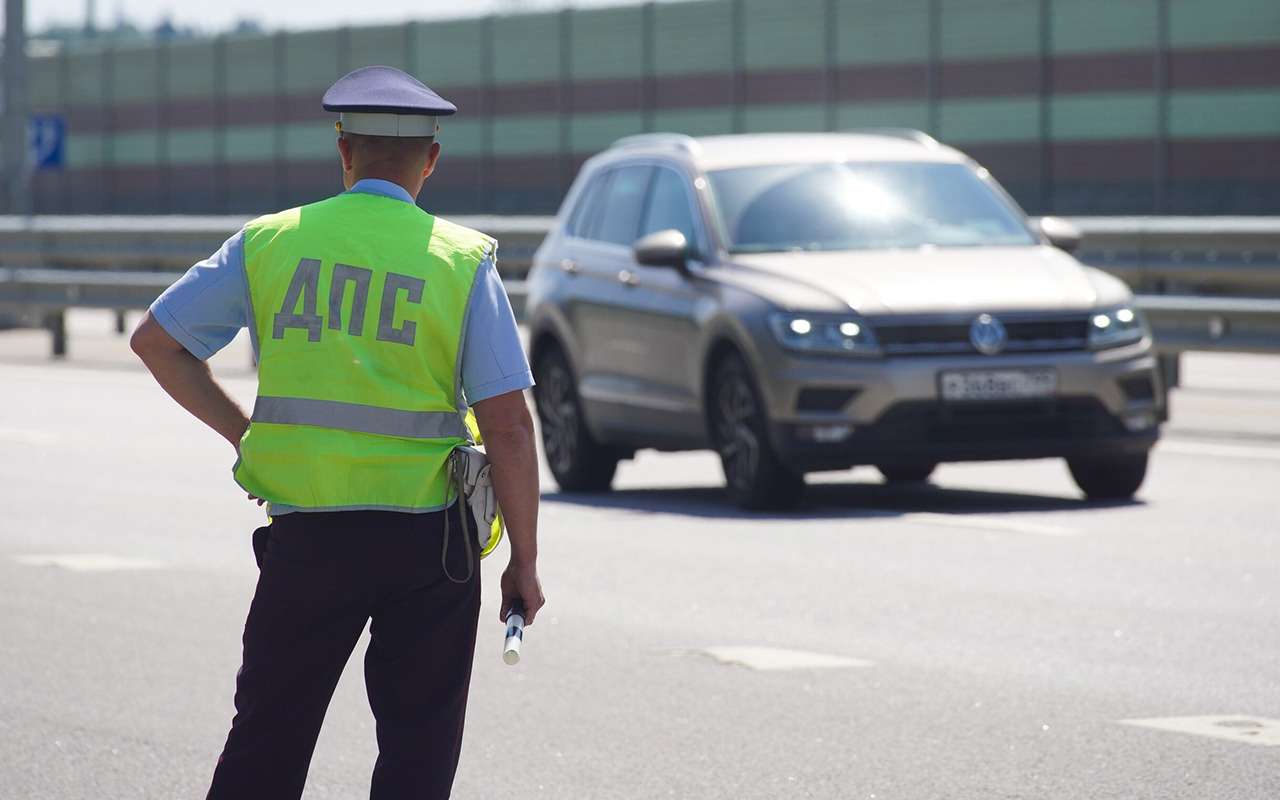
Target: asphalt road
x: 996, y: 628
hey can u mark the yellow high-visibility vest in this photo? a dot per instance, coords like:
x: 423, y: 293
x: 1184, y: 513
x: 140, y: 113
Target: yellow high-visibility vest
x: 358, y: 306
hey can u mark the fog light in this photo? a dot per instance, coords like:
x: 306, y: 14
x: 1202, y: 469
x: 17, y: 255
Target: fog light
x: 1140, y: 421
x: 827, y: 434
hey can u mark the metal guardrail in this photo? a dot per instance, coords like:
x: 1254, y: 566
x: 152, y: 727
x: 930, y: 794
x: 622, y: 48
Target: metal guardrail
x: 1186, y: 255
x: 1235, y: 324
x: 172, y: 244
x: 1206, y: 283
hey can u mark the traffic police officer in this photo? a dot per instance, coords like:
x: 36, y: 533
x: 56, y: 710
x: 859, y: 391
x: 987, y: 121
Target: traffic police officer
x: 376, y: 327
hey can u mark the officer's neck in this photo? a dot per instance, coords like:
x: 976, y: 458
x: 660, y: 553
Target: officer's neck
x: 410, y: 183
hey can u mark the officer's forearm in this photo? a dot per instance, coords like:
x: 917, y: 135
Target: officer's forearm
x: 188, y: 380
x: 507, y: 428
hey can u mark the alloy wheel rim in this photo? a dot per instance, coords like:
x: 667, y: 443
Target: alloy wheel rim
x: 739, y: 445
x: 559, y: 416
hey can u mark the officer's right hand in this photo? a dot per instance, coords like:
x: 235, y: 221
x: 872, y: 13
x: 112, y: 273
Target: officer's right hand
x: 520, y: 582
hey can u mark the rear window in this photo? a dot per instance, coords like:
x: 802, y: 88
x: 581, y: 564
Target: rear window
x: 584, y: 216
x: 618, y: 205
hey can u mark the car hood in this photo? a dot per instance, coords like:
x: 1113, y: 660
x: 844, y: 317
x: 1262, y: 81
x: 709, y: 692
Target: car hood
x: 926, y: 280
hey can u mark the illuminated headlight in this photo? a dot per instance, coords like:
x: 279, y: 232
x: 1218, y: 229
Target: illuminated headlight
x: 823, y: 334
x: 1113, y: 327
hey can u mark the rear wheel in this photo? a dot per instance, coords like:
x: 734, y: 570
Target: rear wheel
x: 755, y: 477
x: 1111, y: 477
x: 906, y: 473
x: 578, y: 462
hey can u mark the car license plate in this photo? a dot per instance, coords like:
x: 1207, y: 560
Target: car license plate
x: 998, y: 384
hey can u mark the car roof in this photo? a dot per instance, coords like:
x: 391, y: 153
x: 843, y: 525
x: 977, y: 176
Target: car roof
x: 758, y: 149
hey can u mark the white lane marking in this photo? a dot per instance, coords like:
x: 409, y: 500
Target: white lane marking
x: 769, y: 659
x: 27, y: 436
x: 1219, y: 450
x: 987, y: 523
x: 88, y: 562
x: 1232, y: 727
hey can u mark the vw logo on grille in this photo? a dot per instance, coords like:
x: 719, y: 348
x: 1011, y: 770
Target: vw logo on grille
x: 988, y: 335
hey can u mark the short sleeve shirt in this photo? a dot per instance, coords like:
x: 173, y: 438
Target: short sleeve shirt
x: 205, y: 309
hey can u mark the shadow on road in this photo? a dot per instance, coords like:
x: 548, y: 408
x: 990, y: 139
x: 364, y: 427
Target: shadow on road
x: 835, y: 500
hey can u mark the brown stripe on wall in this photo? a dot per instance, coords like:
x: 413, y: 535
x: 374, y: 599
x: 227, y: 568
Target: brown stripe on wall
x: 697, y: 90
x: 1219, y: 159
x: 89, y: 190
x: 86, y: 119
x: 785, y: 86
x: 468, y: 99
x: 990, y: 78
x: 1222, y: 68
x: 574, y: 163
x: 1103, y: 161
x: 47, y: 192
x: 261, y: 109
x: 1008, y: 161
x: 313, y: 179
x: 527, y: 98
x: 192, y: 189
x: 623, y: 94
x: 136, y: 117
x: 1105, y: 72
x: 137, y: 190
x: 526, y: 172
x: 136, y: 179
x: 303, y: 108
x: 191, y: 112
x: 454, y: 172
x: 256, y: 180
x: 882, y: 82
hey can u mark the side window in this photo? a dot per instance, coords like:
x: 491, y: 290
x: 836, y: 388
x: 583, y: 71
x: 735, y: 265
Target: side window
x: 668, y: 206
x: 584, y: 213
x: 623, y: 203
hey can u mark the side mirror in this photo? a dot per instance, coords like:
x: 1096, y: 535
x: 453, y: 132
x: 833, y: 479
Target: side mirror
x: 1060, y: 233
x: 663, y: 249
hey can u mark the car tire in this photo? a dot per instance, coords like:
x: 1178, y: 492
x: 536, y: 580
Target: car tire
x: 755, y: 478
x: 906, y: 473
x: 1111, y: 477
x: 578, y: 462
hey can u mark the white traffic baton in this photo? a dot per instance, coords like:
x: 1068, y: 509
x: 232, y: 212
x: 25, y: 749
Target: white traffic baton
x: 515, y: 634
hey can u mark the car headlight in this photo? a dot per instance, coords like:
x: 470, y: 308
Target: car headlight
x: 818, y: 333
x: 1113, y: 327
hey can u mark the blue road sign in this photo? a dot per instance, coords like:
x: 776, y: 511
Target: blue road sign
x: 47, y: 138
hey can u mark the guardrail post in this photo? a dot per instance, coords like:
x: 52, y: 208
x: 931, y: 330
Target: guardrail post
x: 1170, y: 369
x: 120, y: 321
x: 56, y: 322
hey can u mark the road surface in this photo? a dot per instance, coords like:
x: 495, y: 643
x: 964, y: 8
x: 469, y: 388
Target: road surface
x: 986, y: 636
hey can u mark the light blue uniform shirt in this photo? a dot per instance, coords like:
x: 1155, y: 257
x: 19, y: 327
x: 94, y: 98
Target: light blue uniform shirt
x: 207, y: 307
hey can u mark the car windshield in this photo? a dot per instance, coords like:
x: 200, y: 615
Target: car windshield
x: 862, y: 206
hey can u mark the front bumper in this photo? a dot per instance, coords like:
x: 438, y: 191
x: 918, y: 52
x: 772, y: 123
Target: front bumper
x: 1106, y: 402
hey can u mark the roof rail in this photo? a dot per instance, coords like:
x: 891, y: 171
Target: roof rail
x: 910, y: 134
x: 676, y: 141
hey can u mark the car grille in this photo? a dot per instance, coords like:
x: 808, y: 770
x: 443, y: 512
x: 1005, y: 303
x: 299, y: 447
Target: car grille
x: 955, y: 423
x: 950, y: 335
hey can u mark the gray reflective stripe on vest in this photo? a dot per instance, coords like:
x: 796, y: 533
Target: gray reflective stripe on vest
x: 360, y: 418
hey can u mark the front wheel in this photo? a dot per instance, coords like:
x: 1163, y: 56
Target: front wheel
x: 1111, y: 477
x: 755, y: 477
x: 578, y: 462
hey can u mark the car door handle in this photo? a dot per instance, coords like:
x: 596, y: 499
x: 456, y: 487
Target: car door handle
x: 628, y: 278
x: 569, y: 265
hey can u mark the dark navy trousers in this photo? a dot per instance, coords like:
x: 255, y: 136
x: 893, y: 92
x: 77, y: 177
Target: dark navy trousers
x: 323, y: 576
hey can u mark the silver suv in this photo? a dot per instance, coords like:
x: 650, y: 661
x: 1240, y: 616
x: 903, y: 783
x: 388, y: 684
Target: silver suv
x: 818, y: 301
